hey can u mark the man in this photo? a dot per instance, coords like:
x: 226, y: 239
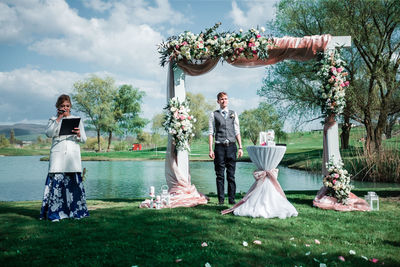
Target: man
x: 224, y: 125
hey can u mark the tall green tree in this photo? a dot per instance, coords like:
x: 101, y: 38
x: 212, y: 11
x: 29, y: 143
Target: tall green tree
x: 373, y: 61
x: 126, y: 108
x: 264, y: 117
x: 201, y: 110
x: 94, y: 97
x: 157, y: 123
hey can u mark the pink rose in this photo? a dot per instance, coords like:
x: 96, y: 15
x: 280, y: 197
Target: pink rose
x: 336, y: 175
x: 342, y: 85
x: 181, y: 117
x: 339, y: 70
x: 254, y: 52
x: 374, y: 260
x: 333, y: 77
x: 333, y: 69
x: 347, y: 83
x: 215, y: 37
x: 189, y: 118
x: 333, y: 181
x: 341, y: 258
x: 258, y: 36
x: 177, y: 46
x: 184, y: 43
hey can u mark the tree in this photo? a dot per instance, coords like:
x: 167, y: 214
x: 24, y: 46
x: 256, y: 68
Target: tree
x: 373, y: 62
x: 201, y: 110
x: 157, y: 123
x: 94, y: 97
x: 254, y: 121
x: 4, y: 141
x: 12, y: 137
x: 126, y: 108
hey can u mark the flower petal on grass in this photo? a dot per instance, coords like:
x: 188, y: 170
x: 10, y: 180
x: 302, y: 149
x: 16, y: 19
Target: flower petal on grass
x: 307, y: 245
x: 341, y: 258
x: 317, y: 241
x: 324, y: 253
x: 307, y: 253
x: 365, y: 258
x: 352, y: 252
x: 178, y: 260
x: 374, y: 260
x: 292, y: 238
x: 207, y: 265
x: 245, y: 244
x: 204, y: 244
x: 257, y: 242
x: 322, y: 265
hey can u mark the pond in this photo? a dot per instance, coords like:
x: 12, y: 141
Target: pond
x: 22, y: 178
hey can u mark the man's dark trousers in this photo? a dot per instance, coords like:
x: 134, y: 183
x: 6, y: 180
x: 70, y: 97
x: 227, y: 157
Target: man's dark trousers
x: 225, y: 158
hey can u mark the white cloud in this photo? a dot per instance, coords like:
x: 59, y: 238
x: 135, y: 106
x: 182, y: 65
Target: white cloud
x: 257, y: 13
x: 97, y: 5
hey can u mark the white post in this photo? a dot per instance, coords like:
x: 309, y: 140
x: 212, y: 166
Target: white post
x: 179, y: 91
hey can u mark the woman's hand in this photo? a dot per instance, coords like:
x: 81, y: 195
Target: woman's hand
x: 60, y: 114
x: 77, y: 132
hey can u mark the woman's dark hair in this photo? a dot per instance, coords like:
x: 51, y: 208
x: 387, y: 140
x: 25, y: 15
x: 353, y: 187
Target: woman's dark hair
x: 61, y: 100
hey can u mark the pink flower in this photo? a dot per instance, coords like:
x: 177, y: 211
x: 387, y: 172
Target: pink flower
x: 333, y: 77
x: 178, y: 260
x: 258, y: 36
x: 177, y: 46
x: 250, y: 45
x: 341, y: 258
x: 339, y: 70
x: 333, y: 69
x: 189, y: 118
x: 346, y: 83
x: 374, y: 260
x: 257, y: 242
x: 317, y: 241
x: 215, y: 37
x: 254, y: 51
x: 336, y: 175
x: 181, y: 117
x: 342, y: 85
x: 204, y: 244
x: 334, y: 181
x: 184, y: 43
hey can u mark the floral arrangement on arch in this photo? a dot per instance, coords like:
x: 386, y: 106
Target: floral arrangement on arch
x: 337, y: 181
x: 211, y: 44
x: 179, y: 123
x: 334, y: 82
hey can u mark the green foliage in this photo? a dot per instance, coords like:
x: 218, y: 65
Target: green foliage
x: 144, y: 138
x: 121, y: 146
x: 201, y: 110
x: 12, y: 137
x: 91, y: 143
x: 118, y: 233
x: 127, y: 109
x: 157, y: 123
x: 94, y: 97
x: 4, y: 141
x: 263, y: 118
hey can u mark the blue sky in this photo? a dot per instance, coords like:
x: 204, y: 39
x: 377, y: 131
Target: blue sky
x: 46, y: 46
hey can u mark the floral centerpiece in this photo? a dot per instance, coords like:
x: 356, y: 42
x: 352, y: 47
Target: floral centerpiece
x: 211, y: 44
x: 179, y: 123
x: 334, y: 82
x: 337, y: 181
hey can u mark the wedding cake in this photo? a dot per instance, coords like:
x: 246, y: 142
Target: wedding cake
x: 267, y: 138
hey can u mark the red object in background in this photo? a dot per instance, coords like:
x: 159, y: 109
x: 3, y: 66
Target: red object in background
x: 137, y: 147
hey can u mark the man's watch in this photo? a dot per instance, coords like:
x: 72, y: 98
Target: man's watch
x: 240, y: 148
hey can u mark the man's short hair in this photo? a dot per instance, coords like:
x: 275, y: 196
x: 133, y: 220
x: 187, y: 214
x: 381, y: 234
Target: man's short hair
x: 221, y: 94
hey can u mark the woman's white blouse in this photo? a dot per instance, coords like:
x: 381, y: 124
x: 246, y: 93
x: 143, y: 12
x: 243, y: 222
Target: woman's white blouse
x: 65, y: 154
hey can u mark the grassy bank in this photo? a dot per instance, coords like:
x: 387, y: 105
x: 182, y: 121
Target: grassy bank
x: 118, y: 233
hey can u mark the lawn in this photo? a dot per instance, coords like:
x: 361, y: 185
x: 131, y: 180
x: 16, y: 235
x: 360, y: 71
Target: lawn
x: 118, y: 233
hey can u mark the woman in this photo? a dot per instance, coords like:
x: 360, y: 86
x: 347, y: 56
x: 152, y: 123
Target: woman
x: 64, y: 195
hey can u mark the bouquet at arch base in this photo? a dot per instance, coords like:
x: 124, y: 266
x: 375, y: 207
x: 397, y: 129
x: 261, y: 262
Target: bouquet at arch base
x: 337, y: 181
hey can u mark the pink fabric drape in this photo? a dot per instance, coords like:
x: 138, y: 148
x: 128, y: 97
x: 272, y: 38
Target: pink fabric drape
x: 260, y: 177
x: 296, y: 48
x: 353, y: 203
x: 198, y: 69
x: 183, y: 193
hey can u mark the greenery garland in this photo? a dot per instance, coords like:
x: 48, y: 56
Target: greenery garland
x: 179, y: 123
x: 212, y: 44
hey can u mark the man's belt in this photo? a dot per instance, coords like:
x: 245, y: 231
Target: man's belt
x: 224, y: 143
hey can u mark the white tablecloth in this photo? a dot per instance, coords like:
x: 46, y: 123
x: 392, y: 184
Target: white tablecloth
x: 266, y: 158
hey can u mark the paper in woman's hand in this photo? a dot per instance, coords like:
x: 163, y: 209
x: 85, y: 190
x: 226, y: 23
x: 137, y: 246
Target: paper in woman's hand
x: 67, y: 125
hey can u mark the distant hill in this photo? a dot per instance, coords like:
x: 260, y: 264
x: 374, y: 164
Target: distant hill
x: 22, y: 129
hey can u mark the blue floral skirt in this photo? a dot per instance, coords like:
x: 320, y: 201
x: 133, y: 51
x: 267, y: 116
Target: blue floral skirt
x: 64, y: 197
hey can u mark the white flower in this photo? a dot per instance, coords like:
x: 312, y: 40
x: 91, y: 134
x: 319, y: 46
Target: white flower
x: 262, y: 29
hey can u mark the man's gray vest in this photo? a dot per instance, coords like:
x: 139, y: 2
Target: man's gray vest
x: 224, y: 128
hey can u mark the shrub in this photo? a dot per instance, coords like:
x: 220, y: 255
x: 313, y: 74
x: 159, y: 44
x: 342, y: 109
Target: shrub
x: 91, y: 143
x: 121, y: 146
x: 4, y: 141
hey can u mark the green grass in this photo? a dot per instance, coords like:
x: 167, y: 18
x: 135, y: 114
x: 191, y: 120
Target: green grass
x: 118, y: 233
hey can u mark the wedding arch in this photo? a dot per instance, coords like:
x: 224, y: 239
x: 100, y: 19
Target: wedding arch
x: 196, y: 54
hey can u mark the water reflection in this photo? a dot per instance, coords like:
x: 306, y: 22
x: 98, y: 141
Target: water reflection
x: 22, y: 178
